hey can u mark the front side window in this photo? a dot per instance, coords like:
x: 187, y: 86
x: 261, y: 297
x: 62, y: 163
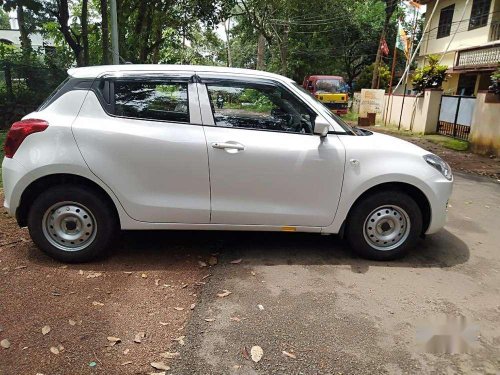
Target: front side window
x: 261, y: 107
x: 445, y: 21
x: 479, y: 13
x: 154, y: 100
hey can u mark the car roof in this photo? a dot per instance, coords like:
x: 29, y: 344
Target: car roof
x: 97, y: 70
x: 324, y: 77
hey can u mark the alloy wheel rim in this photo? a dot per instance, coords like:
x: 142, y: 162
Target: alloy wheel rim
x: 69, y: 226
x: 386, y: 227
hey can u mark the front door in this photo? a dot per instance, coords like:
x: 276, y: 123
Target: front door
x: 142, y: 136
x: 266, y: 166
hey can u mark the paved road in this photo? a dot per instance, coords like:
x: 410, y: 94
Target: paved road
x: 340, y: 314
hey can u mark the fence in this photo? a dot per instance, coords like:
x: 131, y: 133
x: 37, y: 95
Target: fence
x: 455, y: 116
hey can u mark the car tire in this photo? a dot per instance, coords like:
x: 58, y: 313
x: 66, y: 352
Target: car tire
x: 72, y: 223
x: 384, y: 225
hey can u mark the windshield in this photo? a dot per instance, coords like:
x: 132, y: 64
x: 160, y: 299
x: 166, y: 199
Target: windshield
x: 330, y: 85
x: 325, y: 111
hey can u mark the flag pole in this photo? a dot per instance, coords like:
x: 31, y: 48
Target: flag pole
x: 407, y: 70
x: 393, y: 68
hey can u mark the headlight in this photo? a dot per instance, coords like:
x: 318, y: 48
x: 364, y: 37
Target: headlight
x: 438, y: 163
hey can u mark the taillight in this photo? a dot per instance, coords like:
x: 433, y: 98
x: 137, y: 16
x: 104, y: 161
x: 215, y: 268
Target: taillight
x: 18, y: 133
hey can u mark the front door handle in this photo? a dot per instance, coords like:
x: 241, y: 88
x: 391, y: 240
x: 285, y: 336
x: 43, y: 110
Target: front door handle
x: 228, y: 146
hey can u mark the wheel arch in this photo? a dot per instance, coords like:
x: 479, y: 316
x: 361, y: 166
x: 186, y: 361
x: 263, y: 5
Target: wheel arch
x: 43, y: 183
x: 413, y: 191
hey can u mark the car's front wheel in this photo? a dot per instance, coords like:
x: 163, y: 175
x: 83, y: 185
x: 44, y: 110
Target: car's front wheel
x: 71, y: 223
x: 384, y: 225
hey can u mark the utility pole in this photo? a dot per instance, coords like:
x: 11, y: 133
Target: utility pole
x: 114, y: 33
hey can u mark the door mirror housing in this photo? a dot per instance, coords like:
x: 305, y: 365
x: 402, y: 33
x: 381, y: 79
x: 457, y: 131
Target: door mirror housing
x: 321, y: 126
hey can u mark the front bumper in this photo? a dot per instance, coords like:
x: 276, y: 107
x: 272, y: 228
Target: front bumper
x: 338, y: 108
x: 12, y: 172
x: 441, y: 189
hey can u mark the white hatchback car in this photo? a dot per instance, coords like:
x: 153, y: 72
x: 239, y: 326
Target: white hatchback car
x: 196, y: 147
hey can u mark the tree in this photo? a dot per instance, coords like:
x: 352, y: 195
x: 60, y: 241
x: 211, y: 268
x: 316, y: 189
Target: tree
x: 495, y: 81
x: 104, y: 32
x: 390, y: 7
x: 76, y: 35
x: 4, y: 20
x: 271, y: 20
x: 364, y: 80
x: 23, y: 7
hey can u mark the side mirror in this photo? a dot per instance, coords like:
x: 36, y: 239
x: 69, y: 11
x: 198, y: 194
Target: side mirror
x: 321, y: 126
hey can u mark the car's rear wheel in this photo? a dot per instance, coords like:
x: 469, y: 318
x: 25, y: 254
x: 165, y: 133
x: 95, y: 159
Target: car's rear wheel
x: 71, y: 223
x: 384, y: 225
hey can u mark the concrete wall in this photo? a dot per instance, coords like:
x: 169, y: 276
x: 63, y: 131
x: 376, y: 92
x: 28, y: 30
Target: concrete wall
x: 451, y: 84
x: 485, y: 129
x: 392, y: 110
x: 420, y: 114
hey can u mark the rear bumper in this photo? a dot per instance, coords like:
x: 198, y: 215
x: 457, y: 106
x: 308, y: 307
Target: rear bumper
x: 12, y: 172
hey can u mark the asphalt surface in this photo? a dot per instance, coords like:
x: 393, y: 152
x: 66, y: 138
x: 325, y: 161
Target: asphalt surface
x: 338, y: 314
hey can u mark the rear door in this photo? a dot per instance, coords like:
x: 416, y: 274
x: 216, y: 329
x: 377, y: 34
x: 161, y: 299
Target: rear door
x: 266, y: 165
x: 141, y: 135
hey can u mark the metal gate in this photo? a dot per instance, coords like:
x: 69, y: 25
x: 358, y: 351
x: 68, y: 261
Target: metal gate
x: 455, y: 116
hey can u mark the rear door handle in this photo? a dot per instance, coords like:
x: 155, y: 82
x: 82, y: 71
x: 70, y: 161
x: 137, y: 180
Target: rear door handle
x: 228, y: 146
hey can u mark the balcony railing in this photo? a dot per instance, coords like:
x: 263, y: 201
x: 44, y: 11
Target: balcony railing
x: 478, y: 57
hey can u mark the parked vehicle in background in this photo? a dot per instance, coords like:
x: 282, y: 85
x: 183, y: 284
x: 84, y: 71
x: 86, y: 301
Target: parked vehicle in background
x: 332, y: 91
x: 210, y: 148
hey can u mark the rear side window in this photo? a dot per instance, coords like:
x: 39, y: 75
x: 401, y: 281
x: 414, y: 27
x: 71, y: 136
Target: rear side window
x: 154, y: 100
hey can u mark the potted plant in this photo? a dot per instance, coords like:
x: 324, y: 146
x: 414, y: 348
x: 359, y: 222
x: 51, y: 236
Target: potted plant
x: 430, y: 76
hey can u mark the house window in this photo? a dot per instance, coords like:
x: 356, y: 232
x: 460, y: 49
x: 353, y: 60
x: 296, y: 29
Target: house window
x: 479, y: 14
x: 445, y: 20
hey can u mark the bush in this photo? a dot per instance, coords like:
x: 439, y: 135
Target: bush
x: 25, y: 81
x: 430, y: 76
x: 495, y: 81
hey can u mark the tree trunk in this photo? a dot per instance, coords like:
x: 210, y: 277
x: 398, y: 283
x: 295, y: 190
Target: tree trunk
x: 283, y: 46
x: 85, y: 32
x: 105, y: 32
x: 228, y: 42
x: 145, y: 35
x: 74, y: 44
x: 8, y: 83
x: 23, y: 31
x: 377, y: 60
x: 157, y: 39
x: 261, y: 51
x: 123, y: 14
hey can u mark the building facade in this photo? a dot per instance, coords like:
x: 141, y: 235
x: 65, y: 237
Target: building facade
x: 466, y: 33
x: 38, y: 41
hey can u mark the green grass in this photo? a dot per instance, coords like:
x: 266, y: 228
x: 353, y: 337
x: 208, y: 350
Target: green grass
x: 3, y: 134
x: 448, y: 142
x: 350, y: 116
